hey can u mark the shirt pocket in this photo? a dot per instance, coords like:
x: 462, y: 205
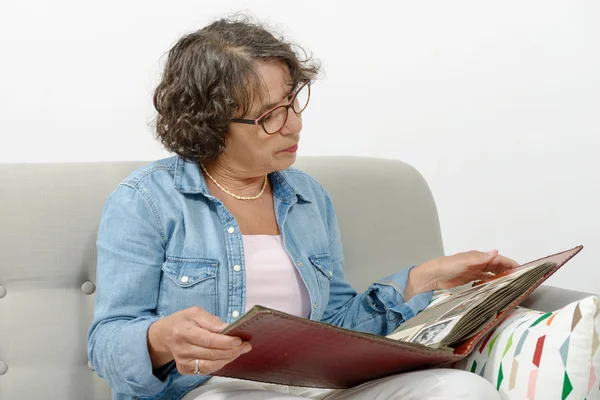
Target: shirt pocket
x: 188, y: 282
x: 324, y: 272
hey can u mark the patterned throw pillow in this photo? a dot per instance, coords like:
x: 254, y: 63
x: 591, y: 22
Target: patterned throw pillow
x: 536, y: 355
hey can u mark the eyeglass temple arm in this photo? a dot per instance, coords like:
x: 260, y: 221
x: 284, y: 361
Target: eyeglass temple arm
x: 244, y: 121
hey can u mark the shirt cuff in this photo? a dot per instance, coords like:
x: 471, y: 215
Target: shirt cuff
x: 135, y: 365
x: 387, y: 295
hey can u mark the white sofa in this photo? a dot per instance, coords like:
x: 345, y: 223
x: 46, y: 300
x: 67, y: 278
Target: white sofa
x: 49, y: 214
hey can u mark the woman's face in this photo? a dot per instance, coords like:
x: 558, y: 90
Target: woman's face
x: 249, y: 147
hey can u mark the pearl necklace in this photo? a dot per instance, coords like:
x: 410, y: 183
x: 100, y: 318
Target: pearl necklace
x: 235, y: 195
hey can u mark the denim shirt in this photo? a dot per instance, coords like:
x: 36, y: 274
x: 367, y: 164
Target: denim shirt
x: 165, y: 244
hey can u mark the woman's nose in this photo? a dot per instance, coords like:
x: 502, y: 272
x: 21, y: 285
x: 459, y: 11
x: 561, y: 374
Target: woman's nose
x: 293, y: 124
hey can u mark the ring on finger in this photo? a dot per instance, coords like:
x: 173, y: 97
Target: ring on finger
x: 196, y: 369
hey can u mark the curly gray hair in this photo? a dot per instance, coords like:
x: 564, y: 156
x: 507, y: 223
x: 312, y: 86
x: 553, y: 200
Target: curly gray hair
x: 210, y: 78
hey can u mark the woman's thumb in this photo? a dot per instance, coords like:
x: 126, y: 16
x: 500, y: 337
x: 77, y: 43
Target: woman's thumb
x: 492, y: 253
x: 482, y: 258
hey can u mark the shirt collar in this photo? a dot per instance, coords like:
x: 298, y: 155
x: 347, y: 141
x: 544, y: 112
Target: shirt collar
x: 189, y: 179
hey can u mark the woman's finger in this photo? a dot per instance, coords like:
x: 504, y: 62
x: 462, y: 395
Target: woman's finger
x: 205, y: 320
x: 501, y: 264
x: 205, y: 367
x: 209, y: 354
x: 509, y: 263
x: 203, y: 338
x: 475, y: 258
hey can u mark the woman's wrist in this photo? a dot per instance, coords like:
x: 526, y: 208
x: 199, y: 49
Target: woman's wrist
x: 159, y: 353
x: 421, y: 279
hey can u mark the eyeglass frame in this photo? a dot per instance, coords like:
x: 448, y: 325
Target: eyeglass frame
x: 287, y: 107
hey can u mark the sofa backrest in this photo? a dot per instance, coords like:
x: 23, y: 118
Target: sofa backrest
x: 49, y: 215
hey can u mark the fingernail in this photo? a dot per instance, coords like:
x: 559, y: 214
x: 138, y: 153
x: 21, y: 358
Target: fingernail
x: 247, y: 348
x: 493, y: 252
x: 237, y: 341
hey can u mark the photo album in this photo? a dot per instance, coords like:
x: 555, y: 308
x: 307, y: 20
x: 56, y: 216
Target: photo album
x: 296, y: 351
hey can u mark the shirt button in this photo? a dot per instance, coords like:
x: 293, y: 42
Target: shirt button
x: 330, y: 273
x: 184, y: 279
x: 315, y: 305
x: 231, y: 229
x: 300, y: 263
x: 235, y: 314
x: 237, y: 268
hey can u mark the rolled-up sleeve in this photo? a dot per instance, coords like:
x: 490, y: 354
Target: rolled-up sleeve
x: 130, y: 247
x: 388, y: 294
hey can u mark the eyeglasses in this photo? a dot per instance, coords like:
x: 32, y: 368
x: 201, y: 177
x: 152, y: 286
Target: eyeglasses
x: 274, y: 119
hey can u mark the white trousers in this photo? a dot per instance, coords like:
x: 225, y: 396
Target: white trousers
x: 428, y: 384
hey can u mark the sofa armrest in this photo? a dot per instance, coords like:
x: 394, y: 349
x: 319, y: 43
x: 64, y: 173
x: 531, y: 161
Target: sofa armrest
x: 550, y: 298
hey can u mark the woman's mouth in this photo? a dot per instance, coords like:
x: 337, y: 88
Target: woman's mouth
x: 292, y: 149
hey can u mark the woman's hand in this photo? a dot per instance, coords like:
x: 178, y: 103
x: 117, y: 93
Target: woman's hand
x: 451, y: 271
x: 189, y: 335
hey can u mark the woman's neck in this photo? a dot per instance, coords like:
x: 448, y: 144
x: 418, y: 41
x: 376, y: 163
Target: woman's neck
x: 236, y: 180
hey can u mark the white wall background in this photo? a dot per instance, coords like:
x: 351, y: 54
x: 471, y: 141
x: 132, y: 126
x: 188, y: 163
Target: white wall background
x: 496, y: 103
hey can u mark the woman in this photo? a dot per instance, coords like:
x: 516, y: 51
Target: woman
x: 187, y: 244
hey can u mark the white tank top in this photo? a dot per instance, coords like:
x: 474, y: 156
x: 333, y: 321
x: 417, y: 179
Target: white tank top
x: 271, y: 278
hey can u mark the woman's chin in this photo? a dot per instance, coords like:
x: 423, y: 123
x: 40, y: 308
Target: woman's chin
x: 283, y: 161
